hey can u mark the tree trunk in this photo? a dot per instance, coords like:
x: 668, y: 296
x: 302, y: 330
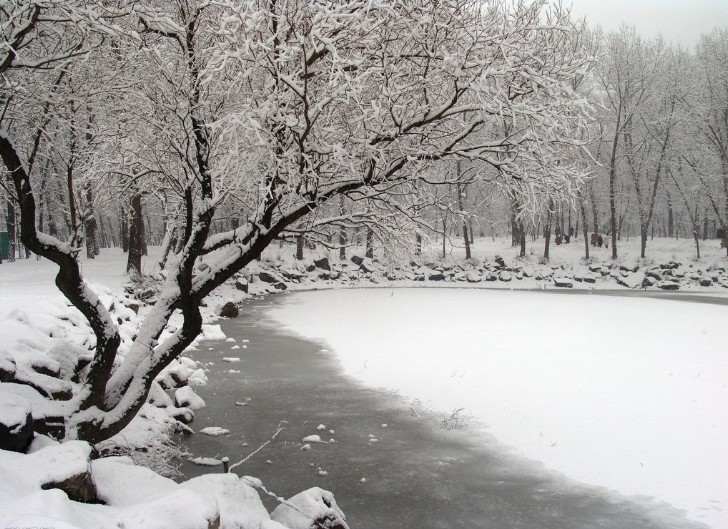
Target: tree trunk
x: 124, y: 230
x: 369, y: 244
x: 582, y: 208
x: 90, y: 227
x: 342, y: 231
x: 134, y: 261
x: 10, y: 223
x: 167, y: 243
x: 461, y: 207
x: 418, y: 244
x: 522, y: 231
x: 299, y: 247
x: 444, y: 236
x: 547, y: 231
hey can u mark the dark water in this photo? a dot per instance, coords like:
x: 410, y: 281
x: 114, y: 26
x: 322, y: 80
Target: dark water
x: 418, y: 475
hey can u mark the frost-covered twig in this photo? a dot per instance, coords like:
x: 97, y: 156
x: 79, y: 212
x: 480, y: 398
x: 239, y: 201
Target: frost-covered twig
x: 273, y: 438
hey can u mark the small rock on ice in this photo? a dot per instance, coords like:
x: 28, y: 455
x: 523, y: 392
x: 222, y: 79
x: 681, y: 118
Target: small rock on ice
x: 230, y: 340
x: 384, y: 426
x: 231, y: 359
x: 268, y: 462
x: 234, y: 347
x: 320, y: 427
x: 322, y: 473
x: 363, y: 480
x: 312, y: 439
x: 331, y: 432
x: 306, y: 447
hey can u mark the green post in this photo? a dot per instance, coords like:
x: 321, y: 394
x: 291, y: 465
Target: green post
x: 4, y: 244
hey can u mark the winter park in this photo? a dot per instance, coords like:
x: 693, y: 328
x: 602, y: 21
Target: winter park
x: 344, y: 264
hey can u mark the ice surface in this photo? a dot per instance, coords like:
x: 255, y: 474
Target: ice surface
x: 626, y: 393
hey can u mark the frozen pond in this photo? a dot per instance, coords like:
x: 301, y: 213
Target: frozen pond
x: 589, y: 385
x: 625, y: 393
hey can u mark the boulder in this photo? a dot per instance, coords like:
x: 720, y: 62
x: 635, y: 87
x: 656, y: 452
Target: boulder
x: 595, y: 267
x: 322, y: 263
x: 590, y: 279
x: 311, y: 509
x: 229, y: 310
x: 270, y: 277
x: 436, y: 276
x: 183, y: 415
x: 473, y: 277
x: 79, y: 487
x: 668, y: 285
x: 16, y: 423
x: 706, y: 282
x: 368, y: 265
x: 499, y: 260
x: 505, y: 276
x: 242, y: 284
x: 158, y: 397
x: 290, y: 272
x: 563, y: 282
x: 67, y: 467
x: 7, y: 367
x: 357, y: 260
x: 185, y: 397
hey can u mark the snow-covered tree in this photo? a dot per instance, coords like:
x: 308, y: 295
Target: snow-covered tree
x: 281, y: 108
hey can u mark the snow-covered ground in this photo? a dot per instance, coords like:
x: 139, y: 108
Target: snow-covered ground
x: 624, y: 393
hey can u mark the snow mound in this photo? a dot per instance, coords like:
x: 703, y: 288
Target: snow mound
x: 185, y: 397
x: 312, y: 506
x: 215, y: 431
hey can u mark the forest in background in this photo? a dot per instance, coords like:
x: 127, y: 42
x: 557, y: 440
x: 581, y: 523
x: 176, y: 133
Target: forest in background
x: 655, y: 156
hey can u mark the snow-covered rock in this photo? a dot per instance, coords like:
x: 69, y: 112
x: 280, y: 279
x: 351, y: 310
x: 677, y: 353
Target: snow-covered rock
x: 563, y: 282
x: 185, y: 397
x: 237, y: 500
x: 158, y: 397
x: 228, y: 310
x: 312, y: 508
x: 64, y: 466
x: 16, y: 423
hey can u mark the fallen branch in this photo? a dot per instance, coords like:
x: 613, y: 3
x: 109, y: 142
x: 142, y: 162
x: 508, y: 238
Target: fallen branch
x: 273, y: 438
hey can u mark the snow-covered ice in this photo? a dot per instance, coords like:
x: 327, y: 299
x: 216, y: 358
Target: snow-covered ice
x: 626, y: 393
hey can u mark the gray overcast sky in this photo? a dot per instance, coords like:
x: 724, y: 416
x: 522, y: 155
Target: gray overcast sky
x: 679, y: 21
